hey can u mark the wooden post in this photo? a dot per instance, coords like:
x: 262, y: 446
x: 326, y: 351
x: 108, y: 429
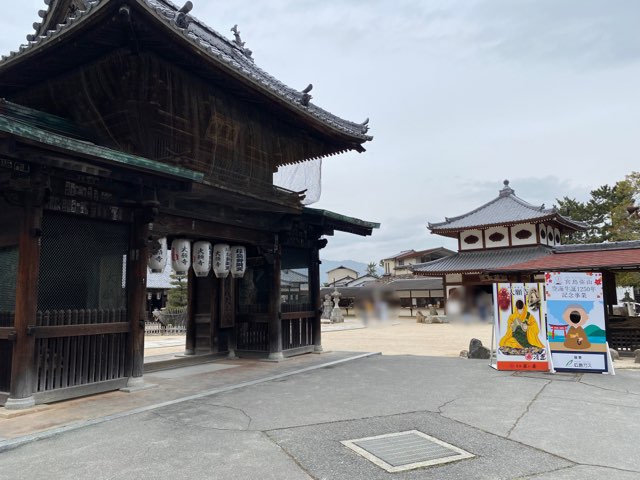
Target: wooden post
x: 137, y: 296
x: 190, y: 346
x: 22, y: 365
x: 315, y: 298
x: 275, y: 321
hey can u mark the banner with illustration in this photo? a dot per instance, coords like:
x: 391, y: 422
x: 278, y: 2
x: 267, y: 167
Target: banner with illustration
x: 519, y: 329
x: 575, y: 320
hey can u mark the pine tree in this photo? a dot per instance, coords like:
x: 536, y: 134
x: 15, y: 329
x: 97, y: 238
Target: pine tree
x: 177, y: 296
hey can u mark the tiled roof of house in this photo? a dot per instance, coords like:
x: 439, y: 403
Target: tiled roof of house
x: 505, y: 209
x: 290, y: 277
x: 613, y: 256
x: 229, y: 55
x: 480, y: 260
x: 416, y: 284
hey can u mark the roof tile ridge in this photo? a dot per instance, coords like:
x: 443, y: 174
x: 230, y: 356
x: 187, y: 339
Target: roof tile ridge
x: 47, y: 36
x: 524, y: 203
x: 464, y: 215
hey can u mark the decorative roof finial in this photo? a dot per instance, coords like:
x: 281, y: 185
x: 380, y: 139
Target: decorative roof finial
x: 182, y: 17
x: 236, y: 33
x: 239, y: 43
x: 306, y: 98
x: 506, y: 190
x: 365, y: 126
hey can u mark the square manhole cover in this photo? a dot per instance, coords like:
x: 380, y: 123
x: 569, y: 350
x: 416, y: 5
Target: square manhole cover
x: 397, y: 452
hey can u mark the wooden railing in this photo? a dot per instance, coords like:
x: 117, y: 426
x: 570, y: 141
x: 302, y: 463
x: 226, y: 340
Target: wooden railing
x: 7, y: 319
x: 252, y: 336
x: 297, y: 330
x: 79, y: 347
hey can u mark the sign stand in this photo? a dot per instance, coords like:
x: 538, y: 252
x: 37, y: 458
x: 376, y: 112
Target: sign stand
x: 610, y: 370
x: 492, y: 352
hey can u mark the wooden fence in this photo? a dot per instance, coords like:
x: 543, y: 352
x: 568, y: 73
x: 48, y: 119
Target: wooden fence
x: 79, y: 347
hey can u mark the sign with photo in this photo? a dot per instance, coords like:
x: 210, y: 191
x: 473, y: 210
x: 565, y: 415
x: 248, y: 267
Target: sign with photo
x: 575, y: 320
x: 519, y: 329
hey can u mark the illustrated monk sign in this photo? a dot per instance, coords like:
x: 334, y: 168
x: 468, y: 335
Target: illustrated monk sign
x: 575, y: 315
x: 519, y: 328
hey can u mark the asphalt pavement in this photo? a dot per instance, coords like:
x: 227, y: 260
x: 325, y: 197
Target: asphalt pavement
x: 517, y: 425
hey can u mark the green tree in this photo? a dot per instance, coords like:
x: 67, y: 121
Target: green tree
x: 372, y: 269
x: 607, y: 217
x: 177, y: 296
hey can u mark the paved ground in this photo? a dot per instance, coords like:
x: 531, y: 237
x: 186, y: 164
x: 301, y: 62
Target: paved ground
x: 533, y: 426
x: 245, y: 419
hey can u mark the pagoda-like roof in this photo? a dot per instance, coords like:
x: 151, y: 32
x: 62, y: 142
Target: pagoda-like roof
x: 504, y: 210
x: 480, y: 261
x: 230, y: 56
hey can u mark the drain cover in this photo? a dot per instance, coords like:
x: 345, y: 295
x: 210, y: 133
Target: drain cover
x: 396, y: 452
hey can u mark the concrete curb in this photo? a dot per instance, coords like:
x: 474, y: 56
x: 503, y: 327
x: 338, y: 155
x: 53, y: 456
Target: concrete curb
x: 10, y: 444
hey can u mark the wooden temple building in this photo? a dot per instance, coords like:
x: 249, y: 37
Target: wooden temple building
x: 504, y: 231
x: 125, y: 122
x: 509, y: 239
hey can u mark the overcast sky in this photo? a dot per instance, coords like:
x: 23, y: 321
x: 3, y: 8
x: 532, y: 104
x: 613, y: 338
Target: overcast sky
x: 461, y: 95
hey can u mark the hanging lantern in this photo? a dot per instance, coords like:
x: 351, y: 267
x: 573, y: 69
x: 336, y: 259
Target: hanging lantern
x: 221, y: 260
x: 238, y: 261
x: 180, y: 256
x: 201, y: 258
x: 158, y: 255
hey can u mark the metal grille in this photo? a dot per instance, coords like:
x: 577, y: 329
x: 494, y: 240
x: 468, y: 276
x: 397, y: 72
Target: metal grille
x: 397, y: 452
x: 82, y: 264
x: 8, y: 274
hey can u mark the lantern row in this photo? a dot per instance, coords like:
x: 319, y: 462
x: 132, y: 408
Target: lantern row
x: 203, y: 256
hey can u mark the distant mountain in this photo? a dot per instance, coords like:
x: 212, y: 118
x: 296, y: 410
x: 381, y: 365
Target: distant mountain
x: 594, y: 331
x: 327, y: 265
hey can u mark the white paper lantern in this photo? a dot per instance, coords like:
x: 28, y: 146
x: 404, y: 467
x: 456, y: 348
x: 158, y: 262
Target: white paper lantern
x: 158, y: 255
x: 201, y: 258
x: 221, y: 260
x: 238, y: 261
x: 180, y: 256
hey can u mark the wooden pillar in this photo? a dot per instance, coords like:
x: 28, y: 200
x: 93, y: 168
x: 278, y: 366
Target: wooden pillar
x: 137, y: 296
x: 275, y: 321
x: 23, y: 359
x: 610, y: 296
x: 316, y: 301
x: 190, y: 346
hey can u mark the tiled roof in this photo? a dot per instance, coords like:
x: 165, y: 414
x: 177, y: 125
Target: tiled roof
x: 481, y: 260
x: 506, y: 209
x: 49, y: 130
x: 231, y: 55
x: 416, y: 284
x: 613, y: 256
x: 289, y: 277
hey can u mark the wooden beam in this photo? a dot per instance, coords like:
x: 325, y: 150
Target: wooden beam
x: 7, y: 333
x: 275, y: 321
x: 137, y: 293
x: 173, y: 225
x: 23, y: 361
x: 315, y: 297
x: 190, y: 346
x: 79, y: 330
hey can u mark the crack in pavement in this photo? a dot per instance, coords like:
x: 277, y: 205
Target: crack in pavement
x: 444, y: 405
x: 238, y: 409
x: 559, y: 469
x: 527, y: 409
x: 286, y: 452
x: 182, y: 423
x: 615, y: 390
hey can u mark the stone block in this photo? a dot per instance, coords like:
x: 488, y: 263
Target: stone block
x: 476, y: 350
